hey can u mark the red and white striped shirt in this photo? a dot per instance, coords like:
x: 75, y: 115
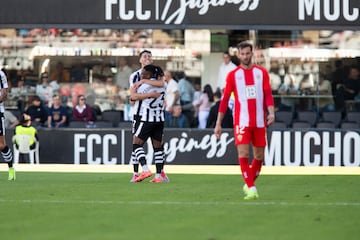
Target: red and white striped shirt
x: 252, y: 92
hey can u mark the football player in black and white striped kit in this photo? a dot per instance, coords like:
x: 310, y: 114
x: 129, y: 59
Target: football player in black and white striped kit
x: 145, y: 58
x: 151, y: 125
x: 6, y: 152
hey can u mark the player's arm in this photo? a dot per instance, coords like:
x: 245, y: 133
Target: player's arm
x: 224, y: 103
x: 131, y: 83
x: 3, y: 94
x: 155, y: 83
x: 218, y: 129
x: 134, y: 95
x: 269, y: 100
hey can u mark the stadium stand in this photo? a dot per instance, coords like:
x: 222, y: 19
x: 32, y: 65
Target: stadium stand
x: 285, y: 117
x: 334, y: 117
x: 307, y: 116
x: 349, y: 125
x: 103, y: 124
x: 278, y: 125
x: 330, y: 125
x: 353, y: 117
x: 77, y: 124
x: 301, y: 124
x: 113, y: 116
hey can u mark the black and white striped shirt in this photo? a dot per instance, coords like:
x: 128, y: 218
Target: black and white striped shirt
x: 3, y: 85
x: 135, y: 110
x: 152, y: 109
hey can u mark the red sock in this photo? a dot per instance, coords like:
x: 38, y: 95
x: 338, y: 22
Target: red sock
x: 246, y: 172
x: 256, y: 168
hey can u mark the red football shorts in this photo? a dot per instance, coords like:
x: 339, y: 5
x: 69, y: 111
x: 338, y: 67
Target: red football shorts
x: 247, y: 135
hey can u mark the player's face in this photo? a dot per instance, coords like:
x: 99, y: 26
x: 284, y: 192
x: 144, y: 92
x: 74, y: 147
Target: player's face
x: 146, y: 59
x: 145, y: 75
x: 245, y: 56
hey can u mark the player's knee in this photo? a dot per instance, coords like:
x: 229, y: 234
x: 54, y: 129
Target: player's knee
x: 2, y: 146
x: 159, y: 149
x: 138, y: 141
x: 136, y: 146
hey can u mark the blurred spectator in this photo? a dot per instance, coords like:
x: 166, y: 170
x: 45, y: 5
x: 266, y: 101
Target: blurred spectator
x: 128, y: 116
x: 172, y: 92
x: 44, y: 90
x: 10, y: 119
x: 204, y: 105
x: 82, y: 111
x: 123, y: 73
x: 196, y: 98
x: 228, y: 118
x: 77, y: 72
x: 306, y: 84
x: 20, y: 93
x: 349, y: 89
x: 57, y: 114
x: 288, y: 89
x: 37, y: 111
x: 275, y: 79
x: 176, y: 119
x: 305, y: 87
x: 60, y: 74
x: 25, y: 128
x: 337, y: 77
x: 226, y: 66
x: 324, y: 88
x: 186, y: 92
x: 102, y: 71
x: 69, y: 110
x: 76, y: 90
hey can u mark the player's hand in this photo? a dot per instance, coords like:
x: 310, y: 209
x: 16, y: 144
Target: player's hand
x: 132, y: 89
x: 270, y: 119
x: 217, y: 131
x: 137, y: 84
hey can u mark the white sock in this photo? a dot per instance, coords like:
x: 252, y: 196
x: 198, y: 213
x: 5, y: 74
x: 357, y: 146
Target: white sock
x: 253, y: 189
x: 145, y: 168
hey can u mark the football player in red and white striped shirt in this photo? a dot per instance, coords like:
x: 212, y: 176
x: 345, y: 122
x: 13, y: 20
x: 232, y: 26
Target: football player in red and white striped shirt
x: 253, y: 111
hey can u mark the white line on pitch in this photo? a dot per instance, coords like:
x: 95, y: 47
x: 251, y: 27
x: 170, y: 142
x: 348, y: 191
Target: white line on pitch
x: 258, y: 203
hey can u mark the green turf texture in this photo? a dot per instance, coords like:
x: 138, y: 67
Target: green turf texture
x: 94, y: 206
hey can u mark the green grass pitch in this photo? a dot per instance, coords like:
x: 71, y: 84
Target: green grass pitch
x: 94, y: 206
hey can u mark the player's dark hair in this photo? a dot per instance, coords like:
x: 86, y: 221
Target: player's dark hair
x: 208, y: 90
x: 144, y: 51
x: 245, y: 44
x: 155, y: 71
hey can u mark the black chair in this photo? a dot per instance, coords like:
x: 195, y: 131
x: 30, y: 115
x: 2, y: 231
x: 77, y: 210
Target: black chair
x: 307, y: 116
x: 334, y: 117
x: 16, y: 113
x: 285, y: 117
x: 125, y: 125
x: 301, y: 124
x: 77, y: 124
x: 330, y: 125
x: 349, y: 125
x: 277, y: 125
x: 103, y: 124
x: 353, y: 117
x: 114, y: 116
